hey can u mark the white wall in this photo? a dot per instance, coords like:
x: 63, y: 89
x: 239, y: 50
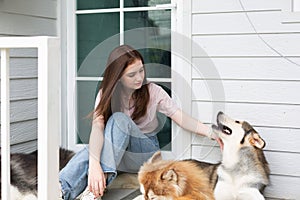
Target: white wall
x: 30, y: 17
x: 25, y: 18
x: 258, y: 65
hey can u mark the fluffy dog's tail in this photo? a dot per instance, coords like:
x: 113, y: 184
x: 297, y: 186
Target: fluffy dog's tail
x: 64, y: 157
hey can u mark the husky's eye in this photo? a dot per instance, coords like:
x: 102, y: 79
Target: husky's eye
x: 237, y: 122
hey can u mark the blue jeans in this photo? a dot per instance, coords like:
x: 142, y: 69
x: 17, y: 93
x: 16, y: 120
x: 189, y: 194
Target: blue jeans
x: 125, y: 148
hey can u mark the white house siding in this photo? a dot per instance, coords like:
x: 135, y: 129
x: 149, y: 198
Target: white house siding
x: 260, y: 79
x: 25, y: 18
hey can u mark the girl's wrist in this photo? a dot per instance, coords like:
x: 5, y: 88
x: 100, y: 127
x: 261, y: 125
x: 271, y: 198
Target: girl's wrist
x: 210, y: 133
x: 93, y: 162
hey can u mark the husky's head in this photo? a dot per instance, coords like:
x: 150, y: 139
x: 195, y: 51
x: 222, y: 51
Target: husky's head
x: 237, y: 133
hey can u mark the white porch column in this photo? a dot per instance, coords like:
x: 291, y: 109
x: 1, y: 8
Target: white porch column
x: 5, y: 125
x: 48, y: 117
x: 48, y: 112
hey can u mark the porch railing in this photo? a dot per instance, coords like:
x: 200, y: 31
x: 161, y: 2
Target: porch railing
x: 48, y: 112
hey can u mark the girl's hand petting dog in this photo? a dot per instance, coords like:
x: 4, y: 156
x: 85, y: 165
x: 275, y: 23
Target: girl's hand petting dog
x: 212, y: 135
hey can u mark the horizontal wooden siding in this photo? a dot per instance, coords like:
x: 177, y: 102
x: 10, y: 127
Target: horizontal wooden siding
x: 259, y: 70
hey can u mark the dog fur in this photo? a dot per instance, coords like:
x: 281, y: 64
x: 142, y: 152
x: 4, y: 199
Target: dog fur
x: 244, y: 171
x: 173, y: 180
x: 24, y: 173
x: 242, y: 174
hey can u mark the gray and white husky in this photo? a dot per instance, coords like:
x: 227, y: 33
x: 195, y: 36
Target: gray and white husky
x: 24, y: 173
x: 244, y: 172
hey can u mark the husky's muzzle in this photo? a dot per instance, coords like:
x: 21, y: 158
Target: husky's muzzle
x: 221, y: 126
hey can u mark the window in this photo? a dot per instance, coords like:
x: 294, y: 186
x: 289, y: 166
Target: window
x: 100, y: 26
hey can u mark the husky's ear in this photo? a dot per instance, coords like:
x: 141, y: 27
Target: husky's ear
x: 169, y: 175
x: 257, y: 141
x: 156, y: 157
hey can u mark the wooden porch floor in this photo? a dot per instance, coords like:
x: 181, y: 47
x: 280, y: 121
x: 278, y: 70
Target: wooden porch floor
x: 126, y: 187
x: 122, y: 194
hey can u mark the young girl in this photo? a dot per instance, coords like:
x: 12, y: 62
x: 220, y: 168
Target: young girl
x: 124, y: 126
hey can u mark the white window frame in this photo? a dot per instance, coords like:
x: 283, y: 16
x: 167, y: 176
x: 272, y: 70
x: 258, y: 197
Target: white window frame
x: 180, y: 24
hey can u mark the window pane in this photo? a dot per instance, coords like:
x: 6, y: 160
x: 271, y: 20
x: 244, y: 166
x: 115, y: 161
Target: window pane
x: 164, y: 135
x: 86, y: 95
x: 144, y: 3
x: 150, y: 33
x: 97, y: 4
x: 97, y: 35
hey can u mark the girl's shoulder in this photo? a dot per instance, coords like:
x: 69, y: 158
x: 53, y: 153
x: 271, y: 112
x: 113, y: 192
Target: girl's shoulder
x: 158, y: 92
x: 154, y: 88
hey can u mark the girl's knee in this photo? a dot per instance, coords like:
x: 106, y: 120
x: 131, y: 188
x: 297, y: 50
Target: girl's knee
x: 120, y: 121
x: 119, y: 116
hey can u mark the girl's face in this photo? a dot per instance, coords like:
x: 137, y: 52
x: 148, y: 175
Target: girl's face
x: 133, y: 76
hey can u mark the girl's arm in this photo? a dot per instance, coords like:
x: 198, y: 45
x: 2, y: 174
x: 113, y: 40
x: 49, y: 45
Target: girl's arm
x: 96, y: 177
x: 191, y: 124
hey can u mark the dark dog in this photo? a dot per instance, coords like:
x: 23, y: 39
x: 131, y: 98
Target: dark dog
x: 23, y: 169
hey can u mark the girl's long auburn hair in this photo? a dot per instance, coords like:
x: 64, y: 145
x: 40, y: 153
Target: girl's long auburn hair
x: 117, y: 62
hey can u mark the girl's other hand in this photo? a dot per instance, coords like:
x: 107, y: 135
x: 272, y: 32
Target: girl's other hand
x: 96, y: 180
